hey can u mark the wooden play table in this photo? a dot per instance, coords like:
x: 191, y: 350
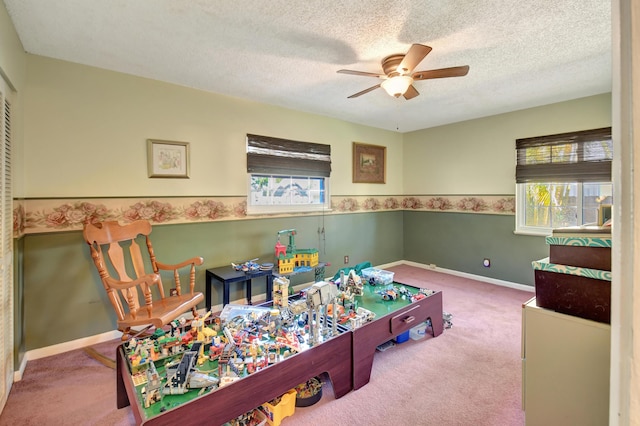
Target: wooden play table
x: 233, y: 400
x: 347, y: 358
x: 393, y: 318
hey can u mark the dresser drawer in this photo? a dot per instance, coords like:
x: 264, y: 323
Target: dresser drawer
x: 408, y: 318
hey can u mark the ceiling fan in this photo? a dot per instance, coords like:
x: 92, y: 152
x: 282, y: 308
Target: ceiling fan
x: 399, y: 76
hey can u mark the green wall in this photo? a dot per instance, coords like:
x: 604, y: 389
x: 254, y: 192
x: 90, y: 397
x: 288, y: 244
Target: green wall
x: 18, y: 300
x: 65, y: 300
x: 460, y: 241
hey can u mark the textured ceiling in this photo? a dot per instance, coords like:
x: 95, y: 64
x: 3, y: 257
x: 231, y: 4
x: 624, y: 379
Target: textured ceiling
x: 521, y: 53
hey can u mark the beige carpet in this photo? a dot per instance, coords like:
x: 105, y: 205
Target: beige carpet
x: 470, y: 375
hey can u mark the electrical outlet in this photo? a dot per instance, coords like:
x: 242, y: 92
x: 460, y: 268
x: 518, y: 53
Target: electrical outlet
x: 486, y: 263
x: 346, y: 260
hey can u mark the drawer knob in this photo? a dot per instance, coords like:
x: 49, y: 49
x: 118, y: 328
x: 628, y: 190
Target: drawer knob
x: 409, y: 319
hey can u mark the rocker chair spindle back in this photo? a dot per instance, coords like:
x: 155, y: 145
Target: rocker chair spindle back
x: 123, y: 249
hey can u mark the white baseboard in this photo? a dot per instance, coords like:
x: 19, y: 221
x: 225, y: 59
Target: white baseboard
x: 489, y: 280
x: 392, y: 264
x: 110, y: 335
x: 63, y: 347
x: 17, y: 375
x: 99, y: 338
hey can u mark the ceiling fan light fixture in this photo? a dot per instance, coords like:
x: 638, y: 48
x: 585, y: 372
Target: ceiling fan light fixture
x: 398, y: 85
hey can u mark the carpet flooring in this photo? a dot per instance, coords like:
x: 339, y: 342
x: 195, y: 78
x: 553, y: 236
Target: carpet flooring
x: 469, y: 375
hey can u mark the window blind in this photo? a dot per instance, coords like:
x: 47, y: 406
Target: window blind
x: 287, y: 157
x: 583, y: 156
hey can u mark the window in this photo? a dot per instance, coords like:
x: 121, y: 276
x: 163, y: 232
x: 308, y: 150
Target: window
x: 286, y: 175
x: 562, y: 180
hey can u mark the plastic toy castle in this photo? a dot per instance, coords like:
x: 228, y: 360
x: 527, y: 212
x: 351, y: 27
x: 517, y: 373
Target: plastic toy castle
x: 289, y: 258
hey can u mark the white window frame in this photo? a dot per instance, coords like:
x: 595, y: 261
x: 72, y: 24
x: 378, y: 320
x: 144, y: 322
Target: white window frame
x: 521, y: 208
x: 254, y: 209
x: 537, y: 161
x: 279, y: 158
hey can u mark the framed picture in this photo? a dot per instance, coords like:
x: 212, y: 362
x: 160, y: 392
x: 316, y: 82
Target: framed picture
x: 369, y: 163
x: 604, y: 214
x: 167, y: 159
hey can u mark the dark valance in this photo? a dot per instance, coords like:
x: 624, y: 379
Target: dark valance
x: 287, y: 157
x: 583, y: 156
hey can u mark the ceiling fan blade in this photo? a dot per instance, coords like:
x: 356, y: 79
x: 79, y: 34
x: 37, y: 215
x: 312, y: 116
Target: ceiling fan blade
x: 441, y: 73
x: 362, y: 73
x: 411, y: 93
x: 355, y: 95
x: 416, y: 53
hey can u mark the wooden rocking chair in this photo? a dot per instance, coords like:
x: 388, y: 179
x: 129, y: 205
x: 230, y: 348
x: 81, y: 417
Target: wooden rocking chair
x: 124, y: 254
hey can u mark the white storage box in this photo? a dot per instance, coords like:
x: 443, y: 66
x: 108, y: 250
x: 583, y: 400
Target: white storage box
x: 377, y: 276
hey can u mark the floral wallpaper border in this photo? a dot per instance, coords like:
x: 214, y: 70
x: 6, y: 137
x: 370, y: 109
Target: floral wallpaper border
x: 33, y: 216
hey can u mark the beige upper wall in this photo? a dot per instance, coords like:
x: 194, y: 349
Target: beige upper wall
x: 86, y: 133
x: 478, y: 156
x: 13, y: 70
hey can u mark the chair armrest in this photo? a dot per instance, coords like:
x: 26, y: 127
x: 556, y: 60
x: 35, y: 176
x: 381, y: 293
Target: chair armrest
x: 148, y: 279
x: 193, y: 262
x: 129, y: 289
x: 197, y: 261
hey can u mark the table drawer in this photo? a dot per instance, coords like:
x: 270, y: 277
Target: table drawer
x: 405, y: 320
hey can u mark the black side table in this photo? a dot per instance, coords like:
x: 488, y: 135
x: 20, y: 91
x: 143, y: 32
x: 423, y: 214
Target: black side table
x: 227, y: 275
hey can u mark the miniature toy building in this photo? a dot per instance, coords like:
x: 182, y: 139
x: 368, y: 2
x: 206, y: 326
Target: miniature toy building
x: 152, y: 391
x: 289, y: 257
x: 281, y: 292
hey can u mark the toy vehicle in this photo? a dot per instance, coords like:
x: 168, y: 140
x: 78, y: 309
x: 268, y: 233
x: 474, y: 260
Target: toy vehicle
x: 248, y: 266
x: 182, y: 376
x: 389, y: 294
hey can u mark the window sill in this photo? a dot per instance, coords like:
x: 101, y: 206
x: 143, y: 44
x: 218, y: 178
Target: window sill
x: 533, y: 233
x: 268, y: 212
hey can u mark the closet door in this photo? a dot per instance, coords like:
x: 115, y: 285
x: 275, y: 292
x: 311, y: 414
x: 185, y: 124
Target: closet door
x: 6, y: 246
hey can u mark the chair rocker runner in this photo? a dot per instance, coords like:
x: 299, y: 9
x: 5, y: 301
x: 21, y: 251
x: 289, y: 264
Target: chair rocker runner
x: 117, y: 244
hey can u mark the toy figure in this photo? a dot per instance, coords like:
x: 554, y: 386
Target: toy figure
x: 318, y: 296
x: 215, y: 350
x: 202, y: 332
